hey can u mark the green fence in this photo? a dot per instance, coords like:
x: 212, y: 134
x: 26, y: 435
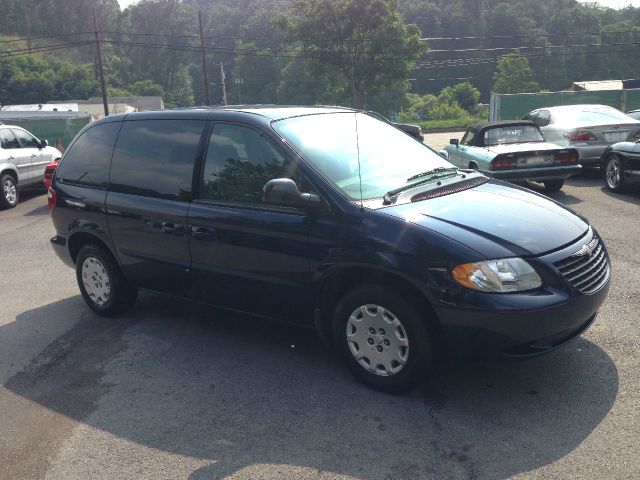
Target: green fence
x: 49, y: 128
x: 516, y: 106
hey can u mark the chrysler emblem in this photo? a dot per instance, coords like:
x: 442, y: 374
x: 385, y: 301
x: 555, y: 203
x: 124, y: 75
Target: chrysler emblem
x: 587, y: 249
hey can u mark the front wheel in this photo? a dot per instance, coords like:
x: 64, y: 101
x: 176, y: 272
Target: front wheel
x: 553, y: 185
x: 613, y: 173
x: 382, y: 338
x: 9, y: 193
x: 101, y: 282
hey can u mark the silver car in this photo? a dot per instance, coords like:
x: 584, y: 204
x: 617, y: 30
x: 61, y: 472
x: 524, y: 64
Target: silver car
x: 23, y: 159
x: 590, y: 129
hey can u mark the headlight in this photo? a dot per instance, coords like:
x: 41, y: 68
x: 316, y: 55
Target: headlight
x: 498, y: 276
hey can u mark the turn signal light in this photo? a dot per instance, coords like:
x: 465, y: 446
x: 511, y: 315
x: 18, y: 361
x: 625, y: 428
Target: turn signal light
x: 580, y: 136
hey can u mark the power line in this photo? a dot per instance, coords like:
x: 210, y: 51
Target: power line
x: 497, y: 49
x: 531, y: 35
x: 27, y: 51
x: 480, y: 60
x: 25, y: 39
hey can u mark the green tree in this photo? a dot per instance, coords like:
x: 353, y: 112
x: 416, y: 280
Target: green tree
x: 514, y: 75
x: 430, y: 107
x: 464, y: 94
x: 360, y: 46
x: 147, y: 88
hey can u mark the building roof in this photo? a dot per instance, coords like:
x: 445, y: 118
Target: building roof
x: 598, y: 85
x: 139, y: 103
x: 39, y: 107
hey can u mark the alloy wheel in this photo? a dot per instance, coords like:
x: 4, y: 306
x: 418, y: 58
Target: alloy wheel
x: 9, y: 190
x: 613, y: 173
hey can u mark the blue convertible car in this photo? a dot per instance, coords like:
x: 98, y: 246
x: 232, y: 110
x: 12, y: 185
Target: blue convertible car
x: 513, y: 150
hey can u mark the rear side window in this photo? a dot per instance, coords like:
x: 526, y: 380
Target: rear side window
x: 86, y: 161
x: 7, y: 139
x: 155, y: 158
x: 544, y: 118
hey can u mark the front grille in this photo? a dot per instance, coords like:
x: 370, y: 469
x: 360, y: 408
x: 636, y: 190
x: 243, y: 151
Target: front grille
x: 586, y: 272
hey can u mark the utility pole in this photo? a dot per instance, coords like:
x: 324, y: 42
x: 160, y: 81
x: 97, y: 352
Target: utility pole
x: 224, y: 86
x: 103, y: 84
x: 238, y: 81
x: 204, y: 60
x: 28, y: 18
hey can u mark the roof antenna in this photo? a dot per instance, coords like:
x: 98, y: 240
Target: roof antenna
x: 355, y: 115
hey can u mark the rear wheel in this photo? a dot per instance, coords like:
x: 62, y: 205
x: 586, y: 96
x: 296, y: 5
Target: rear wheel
x: 101, y: 282
x: 613, y: 174
x: 382, y: 338
x: 9, y: 194
x: 553, y: 185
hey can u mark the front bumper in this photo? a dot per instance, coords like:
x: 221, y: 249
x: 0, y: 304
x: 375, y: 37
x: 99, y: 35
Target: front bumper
x: 508, y: 332
x: 535, y: 174
x: 523, y: 324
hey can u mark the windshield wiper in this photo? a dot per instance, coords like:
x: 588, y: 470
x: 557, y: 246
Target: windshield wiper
x: 424, y: 178
x: 433, y: 171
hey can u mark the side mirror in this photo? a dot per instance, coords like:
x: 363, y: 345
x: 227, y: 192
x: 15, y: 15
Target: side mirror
x: 454, y: 141
x: 444, y: 154
x: 284, y: 192
x: 44, y: 143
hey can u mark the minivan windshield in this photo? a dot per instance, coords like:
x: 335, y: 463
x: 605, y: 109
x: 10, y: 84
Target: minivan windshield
x: 333, y: 142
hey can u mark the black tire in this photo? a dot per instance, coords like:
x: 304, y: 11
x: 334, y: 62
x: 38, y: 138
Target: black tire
x: 614, y: 174
x: 9, y: 195
x: 413, y: 321
x: 553, y: 185
x: 121, y: 294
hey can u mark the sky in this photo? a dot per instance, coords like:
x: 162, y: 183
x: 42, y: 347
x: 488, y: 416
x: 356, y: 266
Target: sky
x: 604, y: 3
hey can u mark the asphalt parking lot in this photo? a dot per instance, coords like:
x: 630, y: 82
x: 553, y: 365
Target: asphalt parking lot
x: 173, y: 390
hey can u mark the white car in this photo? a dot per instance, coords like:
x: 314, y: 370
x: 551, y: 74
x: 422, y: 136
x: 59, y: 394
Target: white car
x: 22, y: 161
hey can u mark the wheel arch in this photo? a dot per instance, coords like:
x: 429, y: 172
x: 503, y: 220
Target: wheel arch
x: 335, y: 286
x: 78, y: 240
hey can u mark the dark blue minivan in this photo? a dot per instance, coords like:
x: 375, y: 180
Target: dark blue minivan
x: 328, y: 218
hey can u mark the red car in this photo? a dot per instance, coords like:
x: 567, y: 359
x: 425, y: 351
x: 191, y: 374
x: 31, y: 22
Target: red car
x: 48, y: 172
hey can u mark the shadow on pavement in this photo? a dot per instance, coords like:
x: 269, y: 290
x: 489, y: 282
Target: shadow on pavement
x: 239, y: 392
x: 41, y: 210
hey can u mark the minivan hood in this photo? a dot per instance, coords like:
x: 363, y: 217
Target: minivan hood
x: 496, y: 220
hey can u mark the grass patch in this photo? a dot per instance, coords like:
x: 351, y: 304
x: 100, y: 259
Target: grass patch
x: 451, y: 123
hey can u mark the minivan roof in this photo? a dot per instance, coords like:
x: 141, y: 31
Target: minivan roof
x: 279, y: 112
x: 269, y: 112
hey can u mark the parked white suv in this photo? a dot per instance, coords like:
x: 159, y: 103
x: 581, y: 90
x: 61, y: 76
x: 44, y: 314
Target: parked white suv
x: 22, y: 161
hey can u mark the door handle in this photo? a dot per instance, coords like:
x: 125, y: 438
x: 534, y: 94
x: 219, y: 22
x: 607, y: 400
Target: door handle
x: 168, y: 227
x: 202, y: 233
x: 11, y: 158
x: 33, y: 156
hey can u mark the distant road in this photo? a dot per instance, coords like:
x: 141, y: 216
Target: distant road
x: 439, y: 140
